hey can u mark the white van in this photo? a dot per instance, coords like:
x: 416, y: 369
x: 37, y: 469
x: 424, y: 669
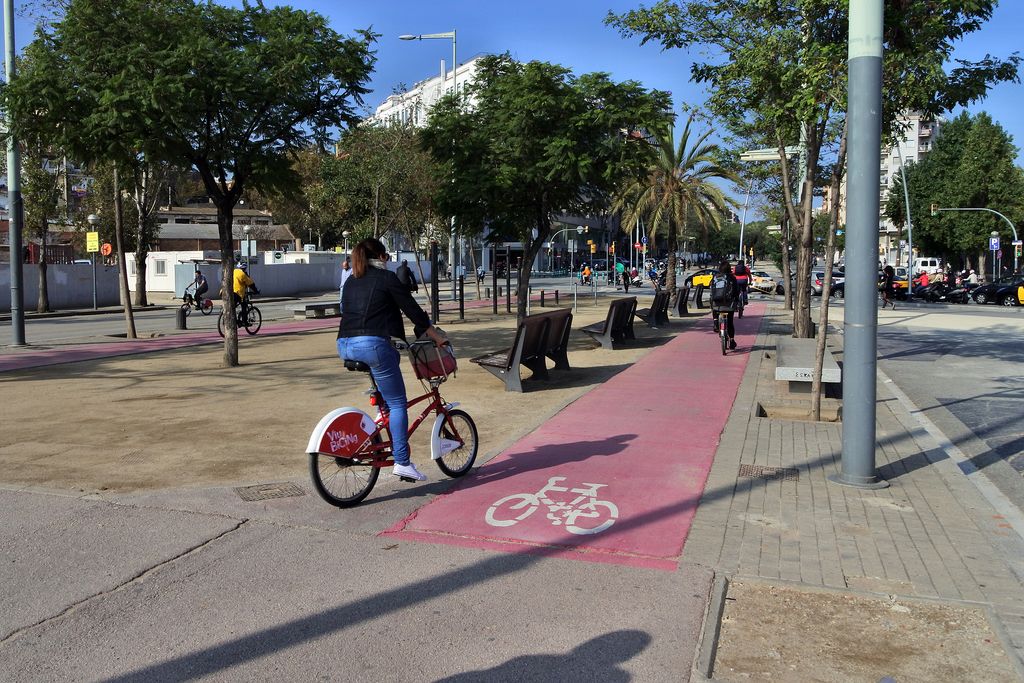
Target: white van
x: 927, y: 264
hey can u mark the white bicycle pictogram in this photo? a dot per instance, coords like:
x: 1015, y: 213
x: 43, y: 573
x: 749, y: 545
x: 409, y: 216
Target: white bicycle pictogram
x: 581, y: 515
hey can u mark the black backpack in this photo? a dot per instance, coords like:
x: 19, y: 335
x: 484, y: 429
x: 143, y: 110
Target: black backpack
x: 722, y: 290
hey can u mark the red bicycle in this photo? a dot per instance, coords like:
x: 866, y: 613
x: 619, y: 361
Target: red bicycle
x: 348, y: 448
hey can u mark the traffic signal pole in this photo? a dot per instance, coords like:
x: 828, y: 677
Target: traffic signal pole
x: 861, y: 320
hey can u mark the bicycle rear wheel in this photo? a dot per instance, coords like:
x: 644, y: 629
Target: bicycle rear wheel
x: 459, y: 426
x: 255, y: 321
x: 221, y: 323
x: 206, y: 307
x: 342, y: 482
x: 723, y: 333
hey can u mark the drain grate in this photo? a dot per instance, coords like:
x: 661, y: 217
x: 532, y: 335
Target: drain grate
x: 268, y: 491
x: 763, y: 472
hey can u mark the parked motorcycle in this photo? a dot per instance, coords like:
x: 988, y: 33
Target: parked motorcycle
x: 941, y: 292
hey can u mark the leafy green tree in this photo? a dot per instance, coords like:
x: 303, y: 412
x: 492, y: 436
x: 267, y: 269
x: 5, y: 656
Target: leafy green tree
x: 678, y: 186
x: 41, y: 194
x: 971, y: 165
x: 777, y: 69
x: 531, y: 141
x: 230, y: 92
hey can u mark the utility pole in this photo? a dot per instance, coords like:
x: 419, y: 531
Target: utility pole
x: 861, y: 320
x: 15, y: 208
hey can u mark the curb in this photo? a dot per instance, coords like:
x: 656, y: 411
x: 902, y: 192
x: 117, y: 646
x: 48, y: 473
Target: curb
x: 707, y: 646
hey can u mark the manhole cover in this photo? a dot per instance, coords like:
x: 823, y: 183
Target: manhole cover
x: 763, y: 472
x: 268, y: 491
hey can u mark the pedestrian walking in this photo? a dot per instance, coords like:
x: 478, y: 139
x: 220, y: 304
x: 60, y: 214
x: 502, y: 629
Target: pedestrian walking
x: 888, y: 287
x: 406, y: 277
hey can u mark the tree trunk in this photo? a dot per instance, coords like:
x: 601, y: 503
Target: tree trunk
x: 803, y: 328
x: 830, y: 246
x: 787, y: 271
x: 122, y: 266
x: 43, y: 302
x: 225, y: 217
x: 673, y: 247
x: 984, y: 272
x: 532, y: 247
x: 140, y: 274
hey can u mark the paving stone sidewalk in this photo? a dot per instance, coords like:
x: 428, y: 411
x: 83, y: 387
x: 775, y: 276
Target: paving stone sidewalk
x: 929, y: 535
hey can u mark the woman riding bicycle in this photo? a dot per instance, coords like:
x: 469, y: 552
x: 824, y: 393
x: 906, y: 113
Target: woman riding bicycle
x: 373, y: 302
x: 725, y: 299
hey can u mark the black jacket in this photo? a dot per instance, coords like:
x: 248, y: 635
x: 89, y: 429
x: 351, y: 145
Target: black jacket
x: 406, y: 277
x: 372, y: 306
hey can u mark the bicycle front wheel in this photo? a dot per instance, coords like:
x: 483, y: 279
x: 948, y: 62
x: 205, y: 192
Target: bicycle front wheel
x: 459, y: 426
x: 723, y: 334
x: 255, y: 321
x: 187, y: 307
x: 342, y: 482
x: 221, y: 323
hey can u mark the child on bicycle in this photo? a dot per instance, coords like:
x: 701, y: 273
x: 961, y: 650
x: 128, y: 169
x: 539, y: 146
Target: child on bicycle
x: 725, y: 299
x: 374, y: 300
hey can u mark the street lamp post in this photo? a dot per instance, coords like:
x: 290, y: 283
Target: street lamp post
x: 94, y: 221
x: 345, y: 234
x: 14, y: 205
x: 1016, y: 240
x: 455, y: 65
x: 572, y: 252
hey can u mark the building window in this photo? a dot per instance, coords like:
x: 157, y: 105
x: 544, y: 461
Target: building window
x: 161, y: 267
x: 181, y: 220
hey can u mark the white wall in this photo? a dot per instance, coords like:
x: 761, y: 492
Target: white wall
x: 69, y: 285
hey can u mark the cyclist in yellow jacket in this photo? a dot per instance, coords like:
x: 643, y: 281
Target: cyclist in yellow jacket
x: 241, y: 282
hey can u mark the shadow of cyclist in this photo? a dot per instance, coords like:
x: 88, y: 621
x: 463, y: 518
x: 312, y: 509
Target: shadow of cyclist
x: 597, y: 659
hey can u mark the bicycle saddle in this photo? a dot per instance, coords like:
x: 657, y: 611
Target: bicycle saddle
x: 357, y: 365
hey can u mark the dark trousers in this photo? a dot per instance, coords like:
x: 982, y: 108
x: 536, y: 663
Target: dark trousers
x: 730, y: 329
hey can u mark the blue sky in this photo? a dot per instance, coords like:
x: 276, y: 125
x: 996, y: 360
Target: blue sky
x: 572, y: 33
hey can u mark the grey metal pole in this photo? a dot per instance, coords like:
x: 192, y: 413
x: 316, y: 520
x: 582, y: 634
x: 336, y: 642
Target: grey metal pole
x: 14, y: 204
x: 451, y: 238
x: 910, y: 228
x: 743, y: 221
x: 861, y: 323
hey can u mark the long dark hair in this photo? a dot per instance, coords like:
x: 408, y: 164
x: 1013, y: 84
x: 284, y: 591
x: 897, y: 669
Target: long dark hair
x: 370, y: 248
x: 725, y: 267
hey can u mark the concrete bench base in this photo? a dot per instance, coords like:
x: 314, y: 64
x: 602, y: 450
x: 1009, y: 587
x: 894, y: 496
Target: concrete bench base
x: 316, y: 311
x: 794, y: 363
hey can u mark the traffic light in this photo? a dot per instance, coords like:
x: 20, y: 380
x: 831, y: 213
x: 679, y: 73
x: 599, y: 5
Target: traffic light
x: 935, y: 209
x: 611, y: 249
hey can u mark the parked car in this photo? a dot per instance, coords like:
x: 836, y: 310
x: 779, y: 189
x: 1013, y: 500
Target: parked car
x: 762, y: 281
x: 986, y: 293
x: 700, y: 277
x: 1010, y: 294
x: 818, y: 280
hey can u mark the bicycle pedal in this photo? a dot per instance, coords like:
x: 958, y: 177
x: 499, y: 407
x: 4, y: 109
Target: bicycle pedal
x: 408, y: 479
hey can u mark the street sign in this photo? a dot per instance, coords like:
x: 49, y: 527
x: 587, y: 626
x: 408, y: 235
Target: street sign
x: 92, y: 242
x: 644, y: 239
x: 637, y: 245
x: 993, y: 244
x: 106, y: 249
x: 1017, y: 243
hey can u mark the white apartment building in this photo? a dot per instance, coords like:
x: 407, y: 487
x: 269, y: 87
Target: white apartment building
x: 918, y: 137
x: 413, y: 106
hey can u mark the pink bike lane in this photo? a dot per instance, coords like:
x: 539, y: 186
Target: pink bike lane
x: 616, y: 476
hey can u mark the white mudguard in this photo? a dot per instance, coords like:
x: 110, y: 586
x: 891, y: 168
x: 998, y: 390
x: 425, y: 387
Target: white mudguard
x: 341, y: 432
x: 438, y: 445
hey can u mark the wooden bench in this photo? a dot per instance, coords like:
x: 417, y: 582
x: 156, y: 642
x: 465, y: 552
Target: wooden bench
x: 617, y: 325
x: 556, y: 347
x: 794, y: 363
x: 319, y: 310
x: 657, y: 314
x: 528, y: 348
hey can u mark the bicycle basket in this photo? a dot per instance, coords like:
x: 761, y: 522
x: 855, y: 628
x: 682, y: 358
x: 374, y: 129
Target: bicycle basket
x: 430, y: 361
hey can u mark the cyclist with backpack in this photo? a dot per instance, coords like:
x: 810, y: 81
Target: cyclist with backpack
x: 725, y: 299
x: 742, y: 274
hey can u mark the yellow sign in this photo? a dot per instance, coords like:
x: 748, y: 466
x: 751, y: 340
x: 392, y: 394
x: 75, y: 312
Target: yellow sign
x: 338, y: 250
x: 593, y: 248
x: 92, y: 242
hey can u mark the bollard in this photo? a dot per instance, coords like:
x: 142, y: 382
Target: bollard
x: 556, y: 297
x: 487, y: 292
x: 180, y: 318
x: 462, y: 297
x: 542, y: 298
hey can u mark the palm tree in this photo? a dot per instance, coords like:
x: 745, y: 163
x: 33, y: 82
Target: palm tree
x: 677, y: 187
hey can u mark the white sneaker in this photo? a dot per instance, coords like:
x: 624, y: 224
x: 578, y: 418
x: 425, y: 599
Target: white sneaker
x: 409, y: 472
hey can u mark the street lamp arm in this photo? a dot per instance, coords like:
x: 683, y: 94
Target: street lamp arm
x: 1008, y: 221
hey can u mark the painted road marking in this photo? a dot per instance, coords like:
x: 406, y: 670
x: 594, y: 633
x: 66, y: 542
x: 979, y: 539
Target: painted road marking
x: 627, y: 475
x: 594, y: 515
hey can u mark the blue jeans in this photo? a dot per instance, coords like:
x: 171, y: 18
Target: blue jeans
x: 383, y: 359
